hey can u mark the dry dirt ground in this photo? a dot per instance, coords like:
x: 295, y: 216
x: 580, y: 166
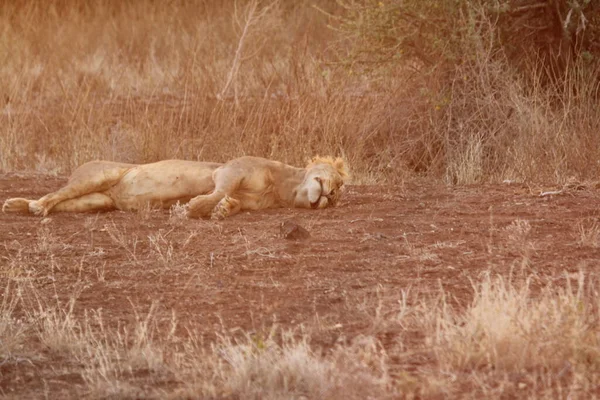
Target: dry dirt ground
x: 241, y: 274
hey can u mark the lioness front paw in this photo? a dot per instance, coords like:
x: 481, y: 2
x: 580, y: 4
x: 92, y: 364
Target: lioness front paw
x: 36, y: 208
x: 226, y: 207
x: 220, y: 211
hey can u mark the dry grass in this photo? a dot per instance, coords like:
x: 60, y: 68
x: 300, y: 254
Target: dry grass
x: 119, y: 361
x: 588, y: 232
x: 512, y: 339
x: 145, y: 82
x: 177, y: 214
x: 12, y: 329
x: 196, y: 80
x: 519, y: 335
x: 508, y: 341
x: 507, y: 328
x: 547, y: 342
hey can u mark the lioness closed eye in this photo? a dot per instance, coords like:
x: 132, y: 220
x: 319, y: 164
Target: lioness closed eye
x: 211, y: 189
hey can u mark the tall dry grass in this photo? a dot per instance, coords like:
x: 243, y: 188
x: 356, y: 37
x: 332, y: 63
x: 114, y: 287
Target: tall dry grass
x: 145, y: 81
x: 508, y: 328
x: 142, y: 81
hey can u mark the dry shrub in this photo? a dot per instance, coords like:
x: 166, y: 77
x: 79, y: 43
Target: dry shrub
x: 287, y: 367
x: 12, y: 329
x: 463, y: 108
x: 58, y: 329
x: 518, y: 231
x: 112, y: 359
x: 489, y: 122
x: 177, y: 214
x: 161, y: 248
x: 588, y: 232
x: 509, y: 329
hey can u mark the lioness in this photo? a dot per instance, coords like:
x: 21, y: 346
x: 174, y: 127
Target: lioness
x: 211, y: 189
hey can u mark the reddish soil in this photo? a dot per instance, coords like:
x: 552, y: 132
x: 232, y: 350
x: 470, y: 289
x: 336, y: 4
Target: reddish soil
x: 241, y: 273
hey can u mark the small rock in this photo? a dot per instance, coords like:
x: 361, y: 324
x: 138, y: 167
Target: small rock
x: 293, y: 231
x: 46, y: 221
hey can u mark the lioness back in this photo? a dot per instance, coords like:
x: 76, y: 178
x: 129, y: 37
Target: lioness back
x: 89, y: 169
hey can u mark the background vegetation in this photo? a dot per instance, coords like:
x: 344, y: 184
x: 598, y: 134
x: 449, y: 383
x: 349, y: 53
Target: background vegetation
x: 464, y: 91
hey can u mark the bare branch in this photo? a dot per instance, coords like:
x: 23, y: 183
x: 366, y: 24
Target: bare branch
x: 251, y: 18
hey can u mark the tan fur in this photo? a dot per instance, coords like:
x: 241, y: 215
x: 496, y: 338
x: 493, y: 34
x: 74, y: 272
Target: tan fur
x: 338, y: 163
x: 212, y: 190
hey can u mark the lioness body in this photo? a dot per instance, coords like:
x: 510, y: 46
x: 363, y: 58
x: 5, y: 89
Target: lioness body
x: 212, y: 189
x: 178, y: 180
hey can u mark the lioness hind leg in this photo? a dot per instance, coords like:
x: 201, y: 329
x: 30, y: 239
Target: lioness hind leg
x: 98, y: 182
x: 16, y: 205
x: 227, y: 207
x: 87, y: 203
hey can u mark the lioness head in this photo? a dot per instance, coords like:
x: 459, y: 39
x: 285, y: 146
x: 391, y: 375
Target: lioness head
x: 322, y: 183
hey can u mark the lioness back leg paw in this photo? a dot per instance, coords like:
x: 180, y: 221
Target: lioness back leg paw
x: 16, y: 205
x: 227, y: 207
